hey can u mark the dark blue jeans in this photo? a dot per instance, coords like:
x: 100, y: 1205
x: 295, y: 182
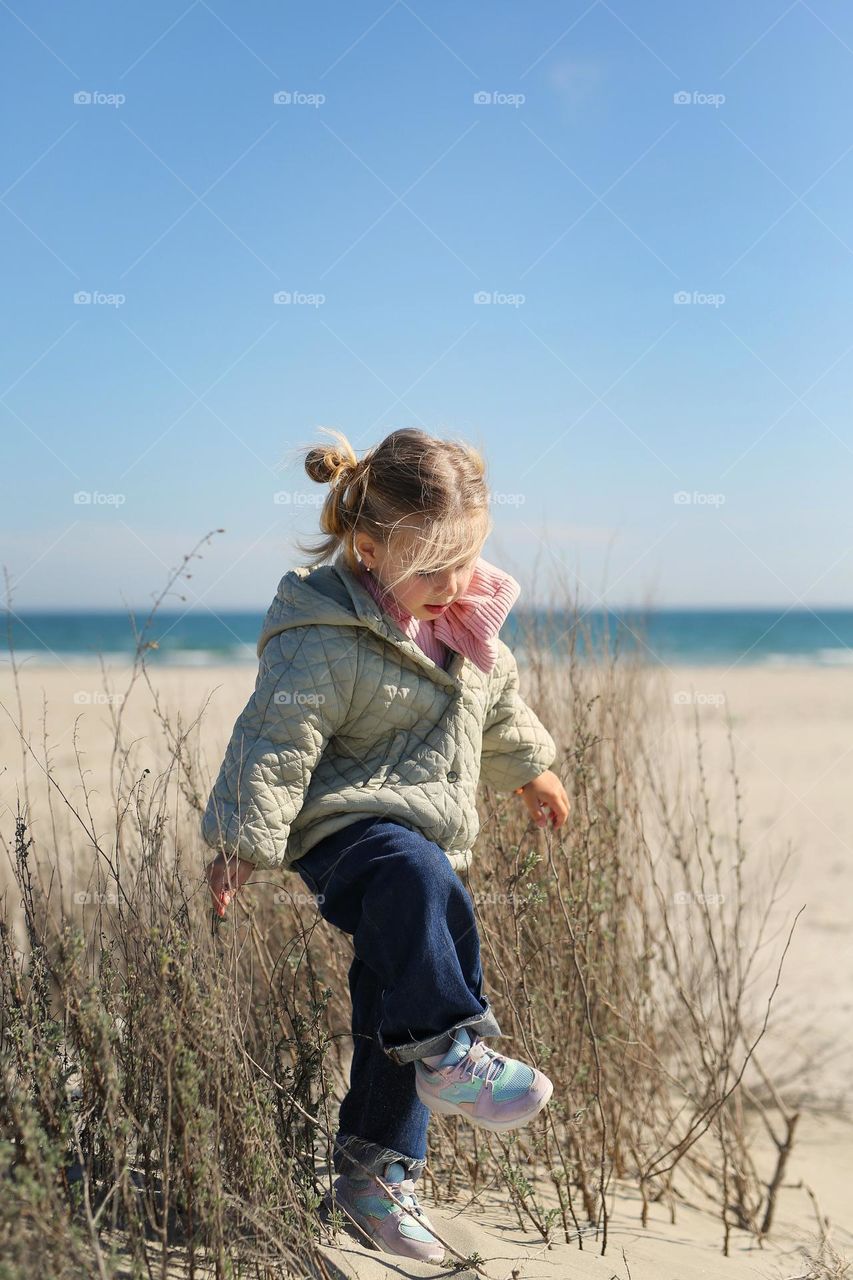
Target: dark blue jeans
x: 415, y: 977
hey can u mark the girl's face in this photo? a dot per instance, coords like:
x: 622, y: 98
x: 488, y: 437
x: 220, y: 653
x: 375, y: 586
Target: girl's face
x: 423, y: 590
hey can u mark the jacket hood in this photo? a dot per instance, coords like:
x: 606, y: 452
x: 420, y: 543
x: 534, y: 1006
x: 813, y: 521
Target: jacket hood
x: 326, y: 595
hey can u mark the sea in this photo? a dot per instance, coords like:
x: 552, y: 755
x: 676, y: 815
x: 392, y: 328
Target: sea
x: 199, y: 638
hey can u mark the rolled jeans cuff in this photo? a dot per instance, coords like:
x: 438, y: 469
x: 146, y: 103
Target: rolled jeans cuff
x: 484, y: 1024
x: 357, y: 1157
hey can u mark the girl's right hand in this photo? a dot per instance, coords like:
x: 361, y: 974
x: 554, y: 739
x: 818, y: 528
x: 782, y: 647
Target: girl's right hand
x: 226, y: 876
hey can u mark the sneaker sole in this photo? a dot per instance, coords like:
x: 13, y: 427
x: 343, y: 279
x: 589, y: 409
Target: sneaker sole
x: 444, y: 1108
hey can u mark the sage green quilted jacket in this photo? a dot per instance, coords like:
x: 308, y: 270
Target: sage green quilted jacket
x: 350, y: 718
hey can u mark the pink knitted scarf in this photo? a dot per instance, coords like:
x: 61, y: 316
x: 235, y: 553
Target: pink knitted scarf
x: 470, y: 625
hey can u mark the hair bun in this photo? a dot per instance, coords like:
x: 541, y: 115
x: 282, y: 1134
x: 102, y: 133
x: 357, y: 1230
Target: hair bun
x: 329, y: 465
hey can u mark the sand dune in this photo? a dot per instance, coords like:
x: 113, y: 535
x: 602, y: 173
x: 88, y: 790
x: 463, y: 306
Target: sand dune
x: 793, y: 740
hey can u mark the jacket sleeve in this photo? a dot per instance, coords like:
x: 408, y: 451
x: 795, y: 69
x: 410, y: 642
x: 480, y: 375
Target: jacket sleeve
x: 516, y: 745
x: 302, y: 695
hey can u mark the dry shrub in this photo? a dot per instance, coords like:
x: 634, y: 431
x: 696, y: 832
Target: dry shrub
x: 169, y: 1081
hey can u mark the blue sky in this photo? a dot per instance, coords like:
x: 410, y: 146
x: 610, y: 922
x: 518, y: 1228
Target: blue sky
x: 640, y: 448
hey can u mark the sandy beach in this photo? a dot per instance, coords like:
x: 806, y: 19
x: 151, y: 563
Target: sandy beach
x: 791, y: 733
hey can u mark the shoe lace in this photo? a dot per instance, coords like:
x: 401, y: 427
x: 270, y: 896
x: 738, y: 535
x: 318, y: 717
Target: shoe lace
x: 493, y: 1062
x: 404, y: 1194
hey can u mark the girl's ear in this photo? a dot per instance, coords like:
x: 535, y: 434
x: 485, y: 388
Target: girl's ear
x: 366, y: 551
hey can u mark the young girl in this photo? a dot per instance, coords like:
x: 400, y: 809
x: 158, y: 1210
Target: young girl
x: 383, y: 695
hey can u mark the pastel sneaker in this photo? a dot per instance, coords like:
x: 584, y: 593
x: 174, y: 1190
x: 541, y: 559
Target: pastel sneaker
x: 483, y: 1087
x: 394, y: 1225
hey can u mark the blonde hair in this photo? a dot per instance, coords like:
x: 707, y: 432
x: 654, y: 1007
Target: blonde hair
x: 424, y: 500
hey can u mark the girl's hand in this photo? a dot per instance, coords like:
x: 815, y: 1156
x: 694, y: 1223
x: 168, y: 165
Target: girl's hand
x: 546, y: 795
x: 226, y: 876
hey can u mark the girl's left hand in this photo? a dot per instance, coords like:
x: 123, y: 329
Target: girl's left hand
x: 546, y: 799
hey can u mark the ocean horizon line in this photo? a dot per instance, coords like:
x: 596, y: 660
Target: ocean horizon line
x: 694, y: 636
